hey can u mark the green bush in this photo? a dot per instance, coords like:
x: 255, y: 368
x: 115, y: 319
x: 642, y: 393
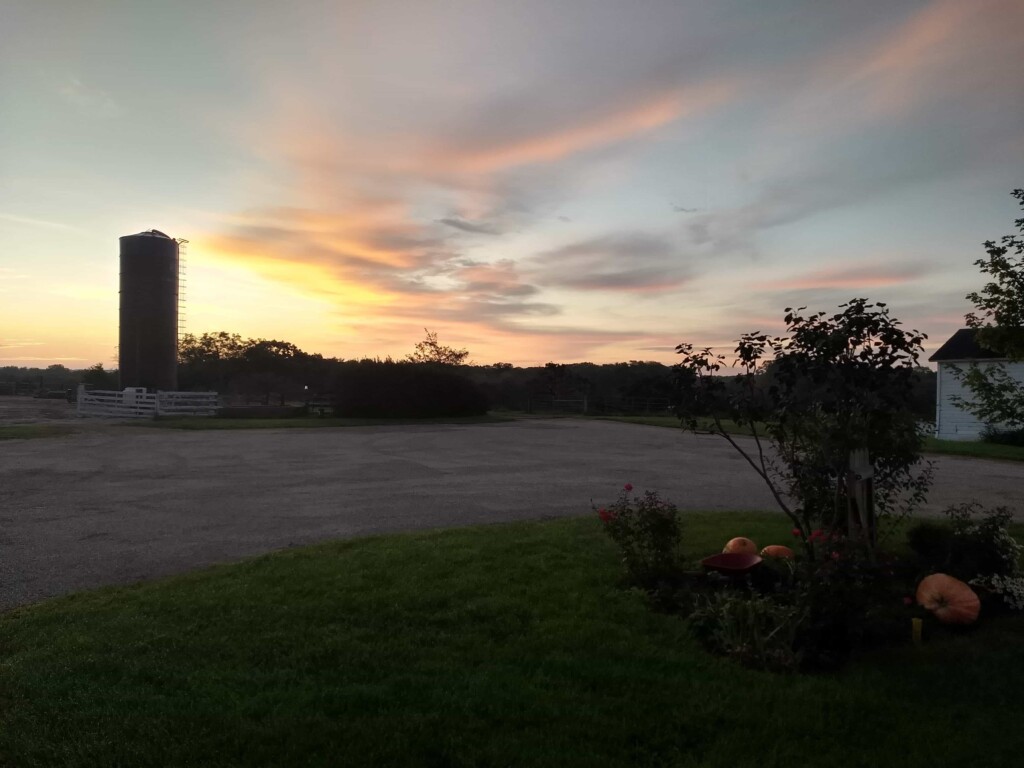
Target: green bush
x: 374, y: 389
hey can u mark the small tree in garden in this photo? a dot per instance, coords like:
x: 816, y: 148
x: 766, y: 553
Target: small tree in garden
x: 834, y: 387
x: 998, y: 398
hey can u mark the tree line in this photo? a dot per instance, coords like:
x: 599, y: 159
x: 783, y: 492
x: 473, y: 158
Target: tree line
x: 274, y: 372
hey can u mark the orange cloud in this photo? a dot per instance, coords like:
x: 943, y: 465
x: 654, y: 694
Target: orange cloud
x: 616, y: 126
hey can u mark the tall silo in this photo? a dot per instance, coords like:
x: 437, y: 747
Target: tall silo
x: 148, y: 338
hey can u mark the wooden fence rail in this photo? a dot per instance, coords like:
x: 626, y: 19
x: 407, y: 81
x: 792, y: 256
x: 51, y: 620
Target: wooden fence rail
x: 135, y: 403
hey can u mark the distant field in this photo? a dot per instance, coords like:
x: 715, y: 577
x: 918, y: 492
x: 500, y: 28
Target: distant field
x: 931, y: 445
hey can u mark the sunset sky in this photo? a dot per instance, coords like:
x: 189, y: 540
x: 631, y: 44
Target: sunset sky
x: 564, y: 180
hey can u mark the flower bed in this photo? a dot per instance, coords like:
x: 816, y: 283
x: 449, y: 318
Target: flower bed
x: 811, y: 609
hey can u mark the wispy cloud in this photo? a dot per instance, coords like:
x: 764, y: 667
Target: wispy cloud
x: 48, y: 359
x: 19, y: 343
x: 622, y: 262
x: 475, y: 227
x: 32, y: 222
x: 848, y: 277
x: 618, y: 123
x: 934, y: 95
x: 88, y: 97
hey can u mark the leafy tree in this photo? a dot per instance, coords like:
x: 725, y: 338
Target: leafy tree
x: 96, y: 376
x: 833, y: 387
x: 229, y: 363
x: 998, y: 398
x: 209, y: 347
x: 431, y: 351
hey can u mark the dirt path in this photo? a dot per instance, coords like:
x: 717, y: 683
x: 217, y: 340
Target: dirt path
x: 120, y: 504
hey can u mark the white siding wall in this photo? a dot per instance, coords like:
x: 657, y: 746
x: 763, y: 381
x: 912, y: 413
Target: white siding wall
x: 952, y: 423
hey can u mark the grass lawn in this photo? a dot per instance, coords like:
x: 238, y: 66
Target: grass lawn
x: 304, y: 422
x: 978, y: 450
x: 503, y: 645
x: 931, y: 445
x: 30, y: 431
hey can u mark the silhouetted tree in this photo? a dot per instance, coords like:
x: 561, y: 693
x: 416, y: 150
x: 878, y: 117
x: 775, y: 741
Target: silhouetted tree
x: 96, y: 376
x: 839, y: 384
x: 431, y: 351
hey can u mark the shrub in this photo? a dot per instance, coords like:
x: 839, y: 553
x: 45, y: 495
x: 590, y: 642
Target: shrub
x: 648, y: 532
x: 1003, y: 436
x: 849, y: 601
x: 373, y: 389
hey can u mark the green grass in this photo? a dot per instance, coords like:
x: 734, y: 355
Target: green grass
x: 506, y: 645
x: 31, y: 431
x: 931, y: 445
x: 671, y: 421
x: 301, y: 422
x: 978, y: 450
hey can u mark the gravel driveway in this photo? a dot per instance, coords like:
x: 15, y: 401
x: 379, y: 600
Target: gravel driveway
x: 114, y: 505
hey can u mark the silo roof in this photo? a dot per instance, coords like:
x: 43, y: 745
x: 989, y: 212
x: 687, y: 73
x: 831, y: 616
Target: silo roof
x: 152, y: 233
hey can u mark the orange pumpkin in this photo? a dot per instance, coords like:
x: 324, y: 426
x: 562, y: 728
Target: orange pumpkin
x: 949, y: 599
x: 778, y: 550
x: 742, y: 545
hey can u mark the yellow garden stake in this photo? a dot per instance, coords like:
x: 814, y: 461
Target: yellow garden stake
x: 915, y: 625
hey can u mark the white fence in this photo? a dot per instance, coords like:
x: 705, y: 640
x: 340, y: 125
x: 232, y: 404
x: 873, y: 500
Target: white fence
x: 134, y: 403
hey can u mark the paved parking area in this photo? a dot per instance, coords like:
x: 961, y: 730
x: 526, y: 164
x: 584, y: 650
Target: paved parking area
x: 119, y: 504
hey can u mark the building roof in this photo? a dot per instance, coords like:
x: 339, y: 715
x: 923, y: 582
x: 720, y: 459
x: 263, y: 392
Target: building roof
x: 963, y: 345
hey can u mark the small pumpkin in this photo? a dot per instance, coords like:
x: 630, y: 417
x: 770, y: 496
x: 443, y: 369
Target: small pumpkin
x: 779, y: 551
x: 950, y: 600
x: 742, y: 545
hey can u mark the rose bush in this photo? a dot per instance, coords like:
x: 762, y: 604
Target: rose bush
x: 648, y: 531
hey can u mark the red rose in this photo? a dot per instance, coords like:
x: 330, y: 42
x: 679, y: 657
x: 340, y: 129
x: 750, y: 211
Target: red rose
x: 628, y: 486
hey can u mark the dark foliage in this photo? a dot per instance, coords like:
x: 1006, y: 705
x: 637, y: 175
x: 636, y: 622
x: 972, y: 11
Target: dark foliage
x: 1003, y: 436
x: 974, y: 543
x: 260, y: 370
x: 386, y: 389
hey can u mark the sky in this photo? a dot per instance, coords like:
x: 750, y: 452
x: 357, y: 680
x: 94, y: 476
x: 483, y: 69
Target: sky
x: 580, y: 180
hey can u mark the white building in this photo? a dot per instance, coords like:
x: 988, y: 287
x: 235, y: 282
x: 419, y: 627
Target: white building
x: 962, y: 351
